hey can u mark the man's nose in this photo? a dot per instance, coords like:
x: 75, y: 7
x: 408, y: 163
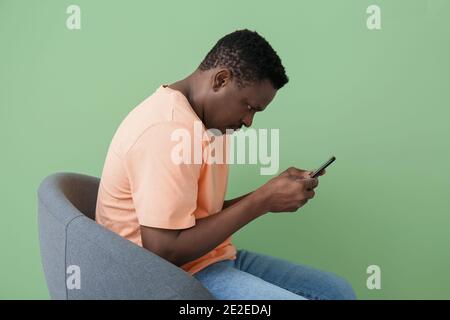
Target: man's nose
x: 248, y: 120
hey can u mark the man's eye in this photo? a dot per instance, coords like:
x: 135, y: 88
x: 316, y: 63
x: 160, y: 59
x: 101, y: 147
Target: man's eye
x: 249, y: 107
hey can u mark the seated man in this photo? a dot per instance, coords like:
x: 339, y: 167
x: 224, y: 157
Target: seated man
x: 177, y: 210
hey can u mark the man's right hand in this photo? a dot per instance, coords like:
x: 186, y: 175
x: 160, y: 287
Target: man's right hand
x: 287, y: 192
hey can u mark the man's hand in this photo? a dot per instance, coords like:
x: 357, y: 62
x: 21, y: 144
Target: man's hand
x: 304, y: 174
x: 289, y: 191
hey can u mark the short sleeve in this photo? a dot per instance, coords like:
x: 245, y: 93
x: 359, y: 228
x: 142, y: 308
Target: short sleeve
x: 164, y: 192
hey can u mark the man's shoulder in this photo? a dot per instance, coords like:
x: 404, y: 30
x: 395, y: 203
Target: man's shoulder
x: 153, y: 118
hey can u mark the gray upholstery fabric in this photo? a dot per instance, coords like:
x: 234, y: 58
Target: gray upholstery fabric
x: 111, y: 267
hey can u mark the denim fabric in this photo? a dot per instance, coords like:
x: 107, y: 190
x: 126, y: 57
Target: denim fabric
x: 254, y: 276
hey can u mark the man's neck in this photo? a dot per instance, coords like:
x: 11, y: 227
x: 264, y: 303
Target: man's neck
x: 190, y: 88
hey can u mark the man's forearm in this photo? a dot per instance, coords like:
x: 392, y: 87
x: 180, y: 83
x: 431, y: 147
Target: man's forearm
x: 228, y: 203
x: 211, y: 231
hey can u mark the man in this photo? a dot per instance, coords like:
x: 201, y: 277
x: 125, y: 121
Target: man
x: 177, y: 210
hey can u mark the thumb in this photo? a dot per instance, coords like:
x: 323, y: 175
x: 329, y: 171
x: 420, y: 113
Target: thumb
x: 296, y: 172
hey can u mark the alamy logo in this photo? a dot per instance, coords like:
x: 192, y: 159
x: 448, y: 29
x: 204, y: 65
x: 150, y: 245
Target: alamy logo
x: 188, y: 149
x: 374, y: 280
x: 374, y: 20
x: 73, y: 21
x: 73, y: 280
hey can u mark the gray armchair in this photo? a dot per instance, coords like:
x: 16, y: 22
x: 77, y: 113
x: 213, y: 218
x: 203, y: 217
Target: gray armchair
x: 110, y: 266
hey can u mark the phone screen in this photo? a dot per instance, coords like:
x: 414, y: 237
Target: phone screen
x: 326, y: 164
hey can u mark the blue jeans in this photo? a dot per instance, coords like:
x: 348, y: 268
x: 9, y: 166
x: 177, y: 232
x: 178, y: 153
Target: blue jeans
x: 255, y: 276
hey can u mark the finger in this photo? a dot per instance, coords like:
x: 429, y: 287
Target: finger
x: 311, y: 183
x: 301, y: 203
x: 300, y: 173
x: 293, y: 171
x: 310, y: 194
x: 306, y: 174
x: 321, y: 173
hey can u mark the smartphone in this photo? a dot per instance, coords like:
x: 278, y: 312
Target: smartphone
x: 326, y: 164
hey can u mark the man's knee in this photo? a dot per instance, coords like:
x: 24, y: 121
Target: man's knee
x: 339, y: 288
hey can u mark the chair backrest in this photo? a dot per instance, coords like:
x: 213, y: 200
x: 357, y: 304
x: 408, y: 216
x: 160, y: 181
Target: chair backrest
x: 62, y: 197
x: 111, y: 267
x: 70, y: 190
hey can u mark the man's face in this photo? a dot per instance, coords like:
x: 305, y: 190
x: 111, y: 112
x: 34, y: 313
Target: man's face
x: 229, y: 107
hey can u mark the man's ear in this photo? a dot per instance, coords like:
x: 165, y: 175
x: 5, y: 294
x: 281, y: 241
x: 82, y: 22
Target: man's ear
x: 221, y: 78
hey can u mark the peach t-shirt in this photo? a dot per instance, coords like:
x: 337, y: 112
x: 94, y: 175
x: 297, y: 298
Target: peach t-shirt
x: 141, y: 184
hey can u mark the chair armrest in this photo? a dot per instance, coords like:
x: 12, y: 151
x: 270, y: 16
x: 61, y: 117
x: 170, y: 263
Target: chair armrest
x: 112, y: 267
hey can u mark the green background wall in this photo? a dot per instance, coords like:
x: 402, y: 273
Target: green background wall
x: 378, y: 100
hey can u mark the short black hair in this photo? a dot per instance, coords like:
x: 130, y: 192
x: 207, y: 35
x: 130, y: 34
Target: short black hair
x: 249, y: 57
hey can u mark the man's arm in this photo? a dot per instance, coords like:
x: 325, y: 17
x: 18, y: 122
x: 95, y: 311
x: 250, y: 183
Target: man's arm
x: 285, y: 193
x: 230, y: 202
x: 182, y: 246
